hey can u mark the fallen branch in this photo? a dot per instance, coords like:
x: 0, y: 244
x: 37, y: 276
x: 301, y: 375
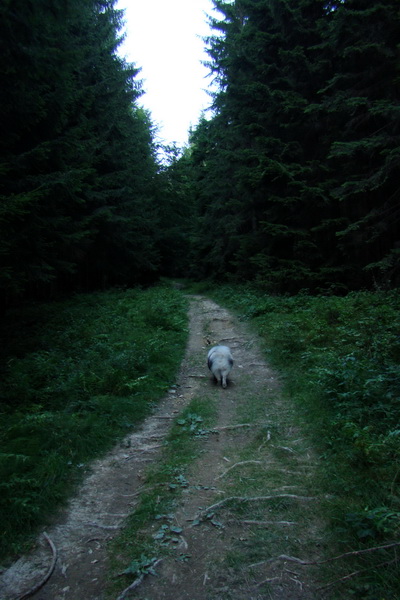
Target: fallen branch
x: 270, y: 580
x: 136, y: 583
x: 143, y: 489
x: 236, y: 426
x: 148, y: 449
x: 280, y: 557
x: 151, y: 448
x: 268, y: 437
x: 221, y: 503
x: 93, y: 524
x: 205, y: 578
x: 183, y: 543
x: 322, y: 562
x: 49, y: 573
x: 251, y: 522
x: 286, y: 448
x: 355, y: 573
x: 131, y: 587
x: 238, y: 464
x: 357, y: 552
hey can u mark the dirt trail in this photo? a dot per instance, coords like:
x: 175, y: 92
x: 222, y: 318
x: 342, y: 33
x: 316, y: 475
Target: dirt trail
x: 111, y: 488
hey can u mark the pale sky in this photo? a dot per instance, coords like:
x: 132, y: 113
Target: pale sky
x: 164, y: 38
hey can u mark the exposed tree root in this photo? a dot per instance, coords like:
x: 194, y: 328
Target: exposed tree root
x: 355, y: 573
x: 49, y: 573
x: 286, y: 448
x: 236, y: 426
x: 131, y: 587
x: 139, y: 450
x: 221, y: 503
x: 270, y: 580
x: 238, y: 464
x: 327, y: 560
x: 280, y: 557
x: 93, y: 524
x: 262, y: 523
x: 136, y: 583
x: 299, y: 561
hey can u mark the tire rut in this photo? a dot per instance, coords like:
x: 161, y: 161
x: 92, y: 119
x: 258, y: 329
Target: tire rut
x: 112, y: 486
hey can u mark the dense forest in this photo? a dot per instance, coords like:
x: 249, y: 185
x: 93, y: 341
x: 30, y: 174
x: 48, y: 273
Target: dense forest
x: 291, y: 179
x: 78, y: 166
x: 296, y: 175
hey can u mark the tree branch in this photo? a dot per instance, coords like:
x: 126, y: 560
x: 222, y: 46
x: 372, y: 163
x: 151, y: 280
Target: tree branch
x: 136, y: 583
x: 49, y: 573
x: 238, y: 464
x: 221, y: 503
x: 322, y: 562
x: 355, y: 573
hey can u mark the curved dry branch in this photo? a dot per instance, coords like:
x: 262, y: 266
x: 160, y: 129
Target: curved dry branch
x: 224, y: 501
x: 238, y: 464
x: 131, y: 587
x: 49, y: 573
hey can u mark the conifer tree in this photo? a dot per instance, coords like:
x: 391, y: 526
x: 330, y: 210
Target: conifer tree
x: 77, y: 158
x: 263, y: 61
x: 296, y: 173
x: 177, y: 212
x: 361, y: 105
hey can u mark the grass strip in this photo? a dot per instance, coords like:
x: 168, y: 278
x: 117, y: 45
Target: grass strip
x: 150, y: 532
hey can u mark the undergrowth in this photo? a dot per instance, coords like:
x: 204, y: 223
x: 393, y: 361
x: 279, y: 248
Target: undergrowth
x: 339, y: 359
x: 75, y: 376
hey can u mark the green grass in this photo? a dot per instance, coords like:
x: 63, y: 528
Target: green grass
x: 75, y: 377
x: 339, y: 361
x: 149, y: 531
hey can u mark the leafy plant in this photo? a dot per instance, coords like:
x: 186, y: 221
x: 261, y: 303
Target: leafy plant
x: 193, y: 424
x: 143, y: 566
x: 373, y: 523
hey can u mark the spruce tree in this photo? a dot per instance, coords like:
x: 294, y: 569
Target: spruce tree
x: 296, y: 173
x: 77, y: 158
x: 361, y: 104
x: 264, y: 143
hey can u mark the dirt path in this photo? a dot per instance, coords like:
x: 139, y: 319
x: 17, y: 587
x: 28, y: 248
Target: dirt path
x: 110, y: 489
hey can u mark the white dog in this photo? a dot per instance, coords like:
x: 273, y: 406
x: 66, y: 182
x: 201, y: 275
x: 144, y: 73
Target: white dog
x: 220, y: 363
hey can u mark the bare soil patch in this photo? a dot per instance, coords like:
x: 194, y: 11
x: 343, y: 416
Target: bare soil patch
x: 218, y: 549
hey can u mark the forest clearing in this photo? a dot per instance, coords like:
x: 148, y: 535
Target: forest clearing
x: 218, y: 494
